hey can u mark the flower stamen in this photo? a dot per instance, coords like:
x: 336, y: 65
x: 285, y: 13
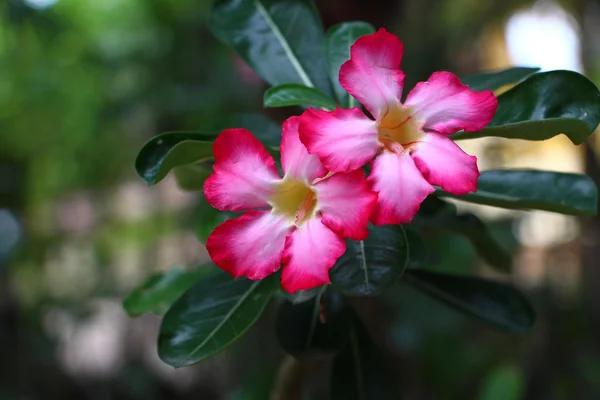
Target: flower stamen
x: 294, y: 199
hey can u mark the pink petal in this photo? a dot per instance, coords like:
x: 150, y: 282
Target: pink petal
x: 244, y: 173
x: 250, y: 245
x: 344, y: 139
x: 310, y: 252
x: 295, y: 160
x: 445, y: 105
x: 444, y: 164
x: 400, y: 186
x: 346, y: 203
x: 372, y: 75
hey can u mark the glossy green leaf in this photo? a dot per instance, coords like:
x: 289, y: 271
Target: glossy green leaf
x: 543, y: 106
x: 360, y: 372
x: 302, y: 296
x: 282, y: 40
x: 492, y: 80
x: 338, y: 40
x: 564, y: 193
x: 261, y: 126
x: 160, y: 291
x: 172, y: 150
x: 208, y: 218
x: 293, y: 94
x: 191, y: 177
x: 320, y: 326
x: 419, y: 254
x: 495, y: 303
x: 467, y: 225
x: 470, y: 226
x: 210, y: 316
x: 166, y: 151
x: 369, y: 267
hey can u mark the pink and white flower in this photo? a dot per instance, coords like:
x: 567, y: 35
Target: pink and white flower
x: 409, y: 140
x: 299, y: 220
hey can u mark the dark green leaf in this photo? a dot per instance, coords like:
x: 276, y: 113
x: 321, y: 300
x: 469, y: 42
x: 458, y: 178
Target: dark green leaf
x: 492, y: 80
x: 319, y: 326
x: 361, y: 373
x: 210, y: 316
x: 369, y: 267
x: 338, y: 40
x: 293, y: 94
x: 419, y: 254
x: 261, y: 126
x: 160, y: 291
x: 208, y: 218
x: 191, y: 177
x: 302, y: 296
x: 467, y: 225
x: 476, y: 231
x: 282, y: 40
x: 169, y: 150
x: 545, y: 105
x: 190, y: 149
x: 564, y: 193
x: 434, y: 207
x: 495, y: 303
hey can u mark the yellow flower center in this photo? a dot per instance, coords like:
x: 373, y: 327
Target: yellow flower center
x: 294, y: 199
x: 398, y: 125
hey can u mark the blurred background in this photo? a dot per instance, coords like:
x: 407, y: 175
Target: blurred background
x: 84, y: 83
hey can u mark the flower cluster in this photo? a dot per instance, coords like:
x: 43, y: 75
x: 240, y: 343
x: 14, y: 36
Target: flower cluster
x: 301, y: 220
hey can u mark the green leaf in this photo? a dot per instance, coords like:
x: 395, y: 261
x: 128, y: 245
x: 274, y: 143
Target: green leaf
x: 338, y: 40
x: 495, y: 303
x: 210, y: 316
x: 191, y: 177
x: 302, y: 296
x: 419, y: 253
x: 543, y: 106
x: 572, y: 194
x: 208, y: 218
x: 492, y: 80
x: 477, y: 232
x: 360, y: 372
x: 166, y: 151
x: 369, y: 267
x: 160, y: 291
x: 282, y: 40
x: 261, y: 126
x: 320, y: 326
x: 170, y: 150
x: 293, y: 94
x: 468, y: 225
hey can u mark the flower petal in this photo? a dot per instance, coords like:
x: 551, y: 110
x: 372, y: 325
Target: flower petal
x: 295, y: 159
x: 346, y: 203
x: 445, y: 105
x: 444, y: 164
x: 244, y: 173
x: 310, y: 252
x: 344, y: 139
x: 250, y: 245
x: 400, y: 186
x: 371, y: 75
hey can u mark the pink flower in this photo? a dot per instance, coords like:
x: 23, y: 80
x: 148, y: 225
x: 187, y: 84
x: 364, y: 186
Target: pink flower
x: 410, y: 139
x: 300, y: 220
